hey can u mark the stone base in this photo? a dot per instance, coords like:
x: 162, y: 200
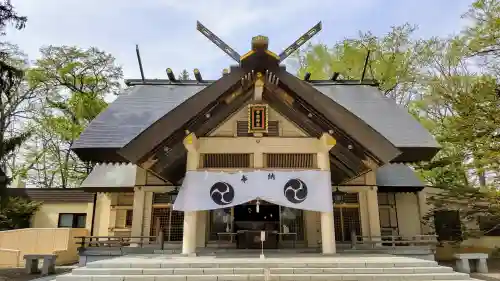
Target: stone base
x: 275, y: 266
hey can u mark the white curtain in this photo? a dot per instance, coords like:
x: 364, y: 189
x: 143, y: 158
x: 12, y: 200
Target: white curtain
x: 306, y: 190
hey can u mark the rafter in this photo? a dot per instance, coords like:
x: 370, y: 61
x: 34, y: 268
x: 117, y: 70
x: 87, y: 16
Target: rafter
x: 381, y: 148
x: 349, y: 165
x: 175, y: 120
x: 165, y: 161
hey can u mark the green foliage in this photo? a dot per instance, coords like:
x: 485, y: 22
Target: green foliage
x: 395, y: 60
x: 13, y: 96
x: 75, y: 83
x: 17, y: 213
x: 450, y: 85
x: 483, y: 36
x: 9, y: 15
x: 184, y: 75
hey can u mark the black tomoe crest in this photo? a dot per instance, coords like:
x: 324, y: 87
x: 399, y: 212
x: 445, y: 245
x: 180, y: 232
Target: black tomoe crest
x: 295, y: 191
x: 222, y: 193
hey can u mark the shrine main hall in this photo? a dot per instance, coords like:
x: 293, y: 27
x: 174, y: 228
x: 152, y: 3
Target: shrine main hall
x: 260, y: 151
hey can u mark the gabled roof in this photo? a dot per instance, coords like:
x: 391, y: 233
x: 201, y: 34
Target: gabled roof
x: 110, y: 176
x: 52, y: 195
x: 388, y: 118
x: 398, y: 178
x: 132, y: 112
x: 139, y: 107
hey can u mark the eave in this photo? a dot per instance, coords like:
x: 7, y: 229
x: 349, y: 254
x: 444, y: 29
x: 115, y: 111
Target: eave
x: 339, y: 117
x: 150, y: 139
x: 161, y: 161
x: 99, y: 155
x: 345, y: 163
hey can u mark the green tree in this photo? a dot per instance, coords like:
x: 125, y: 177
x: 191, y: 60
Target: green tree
x: 483, y: 35
x: 12, y: 97
x: 462, y: 109
x: 395, y: 61
x: 75, y: 82
x: 8, y: 15
x: 184, y: 75
x: 17, y: 213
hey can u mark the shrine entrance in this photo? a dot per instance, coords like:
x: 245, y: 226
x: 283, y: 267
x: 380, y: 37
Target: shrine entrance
x: 347, y: 218
x: 242, y: 225
x: 251, y: 219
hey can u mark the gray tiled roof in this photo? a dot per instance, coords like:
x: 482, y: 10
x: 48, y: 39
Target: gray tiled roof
x: 131, y: 113
x: 140, y: 106
x: 111, y: 175
x: 381, y: 113
x: 397, y: 175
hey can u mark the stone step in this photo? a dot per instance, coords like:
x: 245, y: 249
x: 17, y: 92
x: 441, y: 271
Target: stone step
x: 266, y: 263
x: 242, y: 270
x: 269, y: 277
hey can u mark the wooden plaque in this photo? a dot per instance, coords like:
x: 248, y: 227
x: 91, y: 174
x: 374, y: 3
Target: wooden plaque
x: 258, y: 118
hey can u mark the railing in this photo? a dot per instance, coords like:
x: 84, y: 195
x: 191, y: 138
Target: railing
x: 116, y: 241
x: 393, y: 241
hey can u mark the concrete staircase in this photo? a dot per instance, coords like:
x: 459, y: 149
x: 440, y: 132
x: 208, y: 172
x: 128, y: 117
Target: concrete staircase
x: 284, y: 267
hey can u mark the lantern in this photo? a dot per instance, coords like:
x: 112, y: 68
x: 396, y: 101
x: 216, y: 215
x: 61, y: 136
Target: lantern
x: 338, y: 196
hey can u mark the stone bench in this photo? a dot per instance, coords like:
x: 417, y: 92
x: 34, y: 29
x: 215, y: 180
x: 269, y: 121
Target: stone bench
x: 49, y: 264
x: 462, y: 262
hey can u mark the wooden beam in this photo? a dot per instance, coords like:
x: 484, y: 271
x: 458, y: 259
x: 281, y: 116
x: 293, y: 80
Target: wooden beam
x: 176, y: 119
x: 304, y: 109
x: 178, y: 151
x: 340, y: 117
x: 350, y: 165
x: 300, y: 121
x: 326, y: 126
x: 314, y: 128
x: 176, y: 172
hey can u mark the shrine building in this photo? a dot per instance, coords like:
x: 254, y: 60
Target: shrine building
x: 217, y: 163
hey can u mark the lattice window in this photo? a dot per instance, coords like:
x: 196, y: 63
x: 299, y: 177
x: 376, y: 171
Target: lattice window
x: 163, y: 198
x: 351, y: 198
x: 221, y: 221
x: 273, y: 129
x: 346, y: 220
x: 172, y: 223
x: 226, y: 160
x: 290, y: 160
x: 386, y: 198
x: 128, y: 218
x: 293, y: 221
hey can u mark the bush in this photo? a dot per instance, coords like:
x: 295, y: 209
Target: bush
x: 17, y: 213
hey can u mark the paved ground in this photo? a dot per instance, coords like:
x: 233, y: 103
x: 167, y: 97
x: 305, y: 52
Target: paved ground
x: 19, y: 274
x: 493, y: 268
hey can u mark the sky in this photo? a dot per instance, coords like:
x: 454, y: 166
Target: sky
x: 166, y: 29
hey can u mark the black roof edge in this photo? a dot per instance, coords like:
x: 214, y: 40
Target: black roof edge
x: 99, y: 154
x: 108, y: 189
x: 411, y: 155
x: 14, y: 189
x: 399, y: 189
x: 135, y: 82
x: 165, y: 82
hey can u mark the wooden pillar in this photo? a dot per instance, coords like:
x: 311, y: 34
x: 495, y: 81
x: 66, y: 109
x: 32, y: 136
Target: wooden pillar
x: 190, y: 218
x: 138, y: 214
x: 327, y: 225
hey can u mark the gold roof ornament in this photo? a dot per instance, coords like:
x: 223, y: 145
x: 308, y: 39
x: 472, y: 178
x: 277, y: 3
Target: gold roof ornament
x: 260, y: 42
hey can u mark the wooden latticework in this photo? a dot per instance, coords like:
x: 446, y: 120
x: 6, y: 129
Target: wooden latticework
x: 273, y: 129
x: 290, y: 160
x: 172, y: 223
x: 346, y: 219
x: 226, y: 160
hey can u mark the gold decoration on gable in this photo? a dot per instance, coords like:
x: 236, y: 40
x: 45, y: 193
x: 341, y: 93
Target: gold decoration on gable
x: 258, y: 118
